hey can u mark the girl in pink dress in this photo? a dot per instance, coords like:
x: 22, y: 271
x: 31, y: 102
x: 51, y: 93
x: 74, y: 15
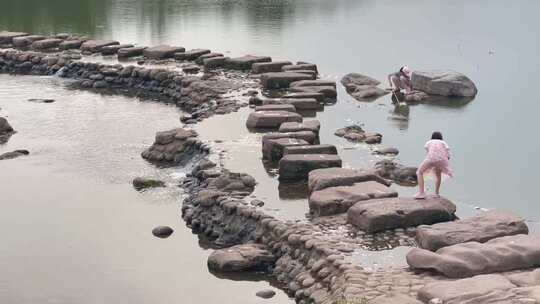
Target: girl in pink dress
x: 436, y: 162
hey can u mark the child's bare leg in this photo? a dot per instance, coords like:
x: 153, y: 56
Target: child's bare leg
x: 420, y: 183
x: 438, y: 182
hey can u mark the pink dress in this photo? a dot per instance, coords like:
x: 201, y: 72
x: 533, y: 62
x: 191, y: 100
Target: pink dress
x: 437, y: 158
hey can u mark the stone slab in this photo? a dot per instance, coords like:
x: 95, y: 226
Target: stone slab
x: 95, y: 46
x: 162, y: 51
x: 131, y: 52
x: 297, y: 166
x: 201, y: 58
x: 310, y: 125
x: 271, y: 119
x: 245, y: 257
x: 308, y: 136
x: 266, y: 67
x: 214, y: 62
x: 46, y: 43
x: 70, y: 44
x: 7, y: 37
x: 272, y: 149
x: 276, y: 107
x: 245, y: 62
x: 302, y: 95
x: 191, y: 54
x: 23, y: 41
x: 314, y: 83
x: 281, y: 80
x: 444, y: 83
x: 296, y: 67
x: 311, y: 149
x: 333, y: 177
x: 304, y: 103
x: 113, y: 49
x: 327, y: 91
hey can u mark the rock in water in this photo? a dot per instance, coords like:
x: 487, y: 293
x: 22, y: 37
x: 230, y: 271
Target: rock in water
x: 42, y: 100
x: 14, y: 154
x: 271, y: 119
x: 333, y: 177
x: 162, y: 231
x: 162, y: 51
x: 443, y: 82
x: 362, y: 87
x: 246, y: 257
x: 141, y: 183
x: 5, y: 127
x: 266, y: 294
x: 174, y: 146
x: 396, y: 172
x: 297, y: 166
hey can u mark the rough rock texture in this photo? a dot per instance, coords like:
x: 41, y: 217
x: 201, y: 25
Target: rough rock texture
x: 308, y: 104
x: 162, y: 51
x: 174, y: 146
x: 298, y: 166
x: 355, y: 133
x: 273, y: 149
x: 130, y: 52
x: 276, y: 107
x: 482, y: 228
x: 308, y: 136
x: 14, y: 154
x: 299, y: 67
x: 319, y: 96
x: 386, y: 151
x: 310, y: 149
x: 443, y: 82
x: 214, y: 62
x: 310, y: 125
x: 70, y: 44
x: 525, y: 279
x: 313, y: 83
x: 162, y: 231
x: 396, y: 172
x: 386, y: 214
x: 95, y: 46
x: 24, y: 41
x: 271, y: 119
x: 141, y: 183
x: 7, y: 37
x: 200, y: 59
x: 113, y: 49
x: 473, y: 258
x: 245, y: 62
x: 191, y: 54
x: 329, y: 92
x: 281, y: 80
x: 333, y: 177
x: 267, y: 67
x: 362, y: 87
x: 266, y: 294
x: 335, y: 200
x: 46, y: 43
x: 247, y: 257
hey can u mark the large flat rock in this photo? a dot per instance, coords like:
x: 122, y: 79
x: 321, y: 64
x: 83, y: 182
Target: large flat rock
x: 473, y: 258
x: 95, y: 46
x: 443, y: 82
x: 302, y: 95
x: 314, y: 83
x: 70, y: 44
x: 162, y: 51
x: 46, y: 43
x: 310, y: 125
x: 276, y: 107
x: 300, y: 67
x: 297, y: 166
x: 386, y: 214
x: 246, y: 257
x: 337, y: 200
x: 271, y: 119
x: 333, y: 177
x: 482, y: 228
x: 308, y: 136
x: 304, y: 103
x: 327, y: 91
x: 191, y: 54
x: 245, y: 62
x: 23, y: 41
x: 310, y: 149
x: 267, y: 67
x: 272, y: 149
x: 281, y: 80
x: 131, y: 51
x: 113, y: 49
x: 7, y: 37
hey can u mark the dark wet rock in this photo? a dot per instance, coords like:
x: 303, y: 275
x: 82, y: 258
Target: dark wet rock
x: 266, y: 67
x: 246, y: 257
x: 41, y: 100
x: 443, y: 82
x: 396, y: 172
x: 254, y: 100
x: 100, y: 84
x: 14, y: 154
x: 296, y: 67
x: 46, y: 43
x: 313, y: 83
x: 5, y: 127
x: 335, y: 200
x: 311, y: 73
x: 310, y: 125
x: 214, y: 62
x: 70, y: 44
x: 386, y: 151
x: 403, y: 212
x: 128, y: 52
x: 141, y: 183
x: 333, y: 177
x: 245, y: 62
x: 201, y: 58
x: 482, y: 228
x: 162, y: 51
x: 395, y: 299
x: 304, y: 103
x: 297, y: 166
x: 162, y: 231
x: 373, y: 138
x: 95, y: 46
x: 191, y: 68
x: 24, y: 41
x: 413, y: 97
x: 271, y: 119
x: 310, y: 149
x: 362, y: 87
x: 257, y: 203
x: 272, y: 149
x: 353, y: 133
x: 266, y: 293
x: 473, y: 258
x: 7, y: 37
x: 276, y: 107
x: 113, y: 49
x: 308, y: 136
x: 176, y: 146
x: 281, y: 80
x: 318, y: 96
x: 191, y: 54
x: 329, y: 92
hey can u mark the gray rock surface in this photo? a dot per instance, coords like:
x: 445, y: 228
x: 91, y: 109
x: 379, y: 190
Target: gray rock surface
x: 281, y: 80
x: 362, y: 87
x: 191, y: 54
x: 245, y: 62
x: 7, y: 37
x: 162, y: 51
x: 14, y: 154
x: 214, y: 62
x: 113, y: 49
x: 473, y: 258
x: 271, y: 119
x: 386, y: 214
x: 162, y: 232
x: 26, y: 40
x: 297, y: 166
x: 276, y: 107
x: 46, y: 43
x: 310, y: 149
x: 299, y: 67
x: 130, y: 52
x: 141, y: 183
x: 526, y: 278
x: 335, y: 200
x: 353, y: 133
x: 95, y: 46
x: 304, y: 103
x: 398, y: 173
x: 174, y: 146
x: 273, y: 149
x: 308, y: 136
x: 386, y: 151
x: 443, y: 82
x: 201, y: 58
x: 314, y: 83
x: 333, y: 177
x: 482, y: 228
x: 329, y: 92
x: 309, y: 125
x: 267, y: 67
x: 246, y: 257
x: 301, y: 95
x: 266, y: 293
x: 70, y: 44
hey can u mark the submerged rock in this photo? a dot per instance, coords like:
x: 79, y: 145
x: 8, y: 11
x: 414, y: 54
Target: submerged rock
x: 362, y: 87
x: 5, y: 127
x: 141, y: 183
x: 162, y: 231
x: 42, y: 100
x: 352, y: 133
x: 396, y: 172
x: 14, y: 154
x: 443, y: 82
x: 246, y: 257
x: 266, y: 294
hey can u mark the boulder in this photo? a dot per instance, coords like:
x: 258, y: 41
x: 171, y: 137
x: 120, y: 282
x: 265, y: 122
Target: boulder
x: 162, y: 51
x: 233, y: 182
x: 362, y: 87
x: 271, y: 119
x: 245, y: 62
x: 336, y: 200
x: 201, y: 58
x: 173, y: 146
x: 141, y: 183
x: 266, y: 67
x: 351, y: 80
x: 7, y: 37
x: 113, y: 49
x: 297, y: 166
x: 310, y: 149
x: 95, y: 46
x: 14, y: 154
x: 304, y: 104
x: 130, y: 52
x: 245, y: 257
x: 386, y: 214
x: 46, y: 43
x: 5, y: 127
x: 162, y: 232
x: 318, y: 96
x: 281, y: 80
x: 482, y: 228
x: 333, y: 177
x: 313, y: 83
x: 214, y: 62
x: 276, y: 107
x: 353, y: 133
x: 297, y: 67
x: 308, y: 136
x: 398, y: 173
x: 265, y: 294
x: 310, y: 125
x: 70, y: 44
x: 443, y: 82
x: 191, y: 54
x: 472, y: 258
x: 328, y: 91
x: 272, y: 149
x: 24, y: 41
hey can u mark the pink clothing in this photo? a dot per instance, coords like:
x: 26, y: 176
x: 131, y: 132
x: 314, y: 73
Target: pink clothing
x: 437, y: 158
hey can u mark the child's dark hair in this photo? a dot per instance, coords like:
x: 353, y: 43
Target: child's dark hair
x: 436, y: 135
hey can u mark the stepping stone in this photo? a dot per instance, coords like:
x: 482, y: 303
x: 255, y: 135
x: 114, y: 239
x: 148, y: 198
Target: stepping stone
x: 70, y: 44
x: 314, y: 83
x: 276, y: 107
x: 310, y: 149
x: 131, y: 52
x: 214, y: 62
x: 26, y: 40
x: 113, y: 49
x: 206, y: 56
x: 310, y: 125
x: 311, y: 73
x: 327, y: 91
x: 95, y: 46
x: 272, y: 149
x: 308, y: 136
x: 240, y: 258
x: 271, y: 119
x: 306, y: 66
x: 482, y: 228
x: 7, y: 37
x: 392, y: 213
x: 245, y: 62
x: 301, y: 95
x: 281, y: 80
x: 46, y: 43
x: 162, y: 51
x: 336, y: 200
x: 469, y: 259
x: 191, y: 54
x: 266, y: 67
x: 305, y: 104
x: 333, y: 177
x: 297, y: 166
